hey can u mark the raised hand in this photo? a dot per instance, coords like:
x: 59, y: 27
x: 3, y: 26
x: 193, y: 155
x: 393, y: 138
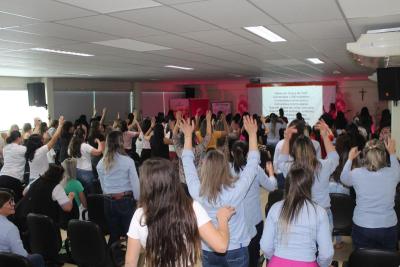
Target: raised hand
x: 270, y: 168
x: 187, y: 127
x: 289, y: 132
x: 250, y: 125
x: 208, y: 115
x: 353, y: 153
x: 225, y: 213
x: 323, y: 128
x: 390, y: 145
x: 61, y: 121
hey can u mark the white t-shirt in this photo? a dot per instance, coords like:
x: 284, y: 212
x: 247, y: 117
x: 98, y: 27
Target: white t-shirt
x: 84, y: 162
x: 273, y: 136
x: 14, y: 161
x: 51, y: 156
x: 138, y: 230
x: 39, y: 164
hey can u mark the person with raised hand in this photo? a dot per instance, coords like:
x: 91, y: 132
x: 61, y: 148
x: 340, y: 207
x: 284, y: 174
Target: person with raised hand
x: 253, y: 213
x: 168, y: 224
x: 304, y: 154
x: 36, y: 152
x: 217, y: 188
x: 374, y: 218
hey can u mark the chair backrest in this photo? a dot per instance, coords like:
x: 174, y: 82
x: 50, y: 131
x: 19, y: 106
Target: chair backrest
x: 273, y: 197
x: 45, y: 236
x: 95, y: 208
x: 374, y: 258
x: 14, y: 260
x: 342, y: 207
x: 87, y: 243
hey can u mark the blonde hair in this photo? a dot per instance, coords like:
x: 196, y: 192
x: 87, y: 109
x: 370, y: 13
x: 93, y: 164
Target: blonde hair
x: 114, y: 145
x: 374, y: 155
x: 69, y: 166
x: 214, y: 174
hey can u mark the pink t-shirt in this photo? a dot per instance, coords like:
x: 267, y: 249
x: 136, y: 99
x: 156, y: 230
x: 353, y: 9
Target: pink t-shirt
x: 127, y: 137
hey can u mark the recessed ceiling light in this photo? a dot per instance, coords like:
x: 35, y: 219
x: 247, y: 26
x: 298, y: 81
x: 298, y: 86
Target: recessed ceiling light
x: 132, y: 45
x: 336, y: 72
x: 265, y: 33
x: 61, y: 52
x: 78, y: 74
x: 178, y: 67
x: 315, y: 60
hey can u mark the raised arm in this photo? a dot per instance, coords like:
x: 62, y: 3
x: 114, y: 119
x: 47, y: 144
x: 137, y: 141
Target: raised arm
x: 192, y: 178
x: 268, y: 182
x: 250, y: 170
x: 57, y: 134
x: 103, y: 116
x: 346, y: 176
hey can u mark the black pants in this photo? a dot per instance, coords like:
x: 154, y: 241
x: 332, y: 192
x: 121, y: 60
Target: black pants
x: 13, y: 184
x: 377, y: 238
x: 146, y: 154
x: 254, y: 246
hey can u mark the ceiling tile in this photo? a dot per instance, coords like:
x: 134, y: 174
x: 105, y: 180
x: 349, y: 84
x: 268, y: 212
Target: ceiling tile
x: 165, y: 18
x: 45, y: 10
x: 170, y: 40
x: 66, y: 32
x: 369, y: 8
x: 227, y: 14
x: 8, y: 20
x: 321, y: 30
x: 300, y: 10
x: 106, y: 24
x: 174, y: 2
x: 111, y: 6
x: 12, y: 35
x: 362, y: 25
x: 217, y: 37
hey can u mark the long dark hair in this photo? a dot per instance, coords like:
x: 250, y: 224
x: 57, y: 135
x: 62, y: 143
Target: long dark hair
x: 343, y: 146
x: 54, y: 173
x: 146, y: 124
x: 65, y: 134
x: 32, y: 144
x: 239, y: 152
x: 173, y: 236
x: 76, y: 142
x: 297, y: 192
x: 14, y: 135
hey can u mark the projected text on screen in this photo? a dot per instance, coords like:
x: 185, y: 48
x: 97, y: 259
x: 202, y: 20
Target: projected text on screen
x: 305, y: 99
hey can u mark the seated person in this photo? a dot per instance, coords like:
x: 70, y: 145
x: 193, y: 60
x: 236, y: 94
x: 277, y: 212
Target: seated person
x: 10, y: 240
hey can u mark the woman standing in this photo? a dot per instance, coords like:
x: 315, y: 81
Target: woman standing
x: 168, y: 224
x: 217, y: 188
x: 11, y: 175
x: 375, y: 221
x: 120, y: 184
x: 253, y: 213
x: 297, y: 228
x: 304, y: 154
x: 36, y: 152
x: 82, y: 151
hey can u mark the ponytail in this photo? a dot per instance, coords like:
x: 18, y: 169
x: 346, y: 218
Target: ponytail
x: 14, y: 135
x: 239, y: 153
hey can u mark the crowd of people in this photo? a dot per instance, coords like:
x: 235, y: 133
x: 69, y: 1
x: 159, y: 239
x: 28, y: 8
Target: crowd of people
x: 187, y: 189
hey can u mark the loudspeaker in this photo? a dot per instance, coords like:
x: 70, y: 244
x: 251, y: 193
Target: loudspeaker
x: 389, y: 83
x: 189, y: 92
x: 36, y: 94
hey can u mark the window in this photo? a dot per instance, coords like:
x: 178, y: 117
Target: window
x: 15, y: 109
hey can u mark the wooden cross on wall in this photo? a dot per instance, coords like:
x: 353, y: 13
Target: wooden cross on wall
x: 362, y: 92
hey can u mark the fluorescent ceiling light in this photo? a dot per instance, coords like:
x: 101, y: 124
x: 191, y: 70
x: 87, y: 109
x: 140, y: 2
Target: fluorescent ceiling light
x: 18, y: 15
x: 61, y: 52
x: 315, y: 60
x: 134, y: 45
x: 385, y: 30
x: 77, y: 74
x: 178, y: 67
x: 265, y: 33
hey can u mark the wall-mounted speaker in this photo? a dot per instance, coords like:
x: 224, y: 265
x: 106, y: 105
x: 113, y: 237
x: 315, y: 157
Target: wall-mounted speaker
x: 389, y: 83
x: 36, y: 94
x: 189, y: 92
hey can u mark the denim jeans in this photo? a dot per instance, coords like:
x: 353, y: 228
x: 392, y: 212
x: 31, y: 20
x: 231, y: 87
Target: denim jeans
x: 86, y: 178
x: 232, y: 258
x: 378, y: 238
x: 119, y: 215
x: 254, y: 246
x: 36, y: 260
